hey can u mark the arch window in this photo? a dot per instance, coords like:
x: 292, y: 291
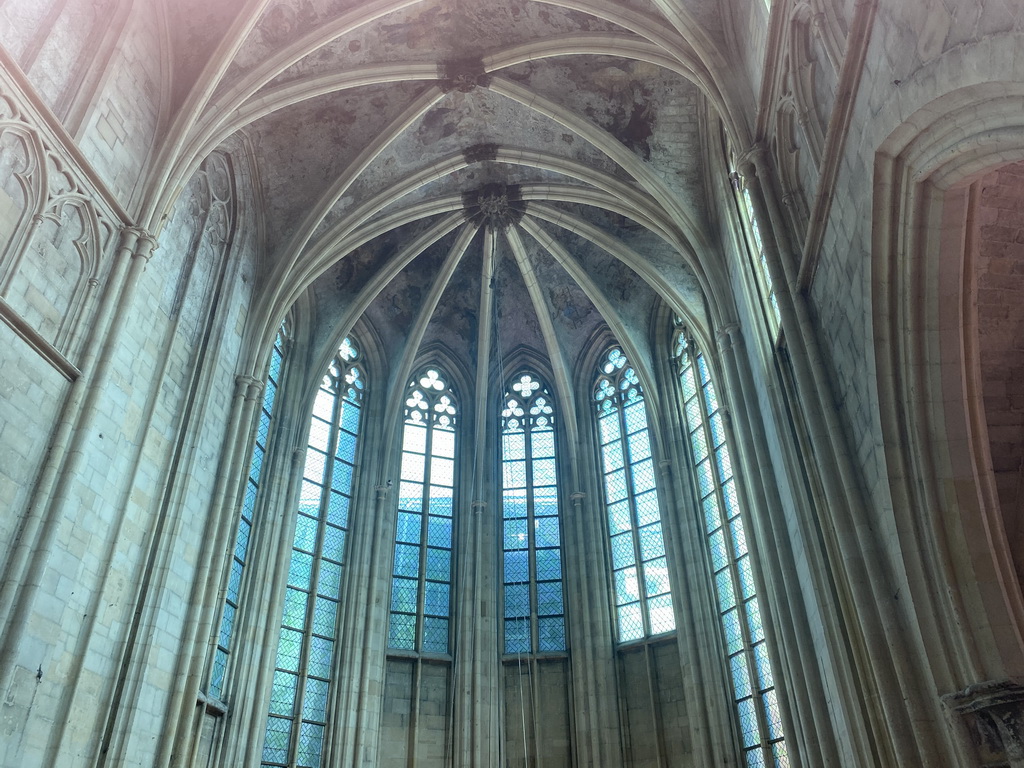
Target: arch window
x: 746, y: 650
x: 422, y: 574
x: 306, y: 646
x: 752, y: 235
x: 243, y: 533
x: 643, y: 600
x: 534, y: 609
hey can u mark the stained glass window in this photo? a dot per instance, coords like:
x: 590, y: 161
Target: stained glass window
x: 297, y: 721
x: 754, y: 239
x: 422, y: 573
x: 245, y: 523
x: 643, y: 598
x: 746, y: 651
x: 534, y: 609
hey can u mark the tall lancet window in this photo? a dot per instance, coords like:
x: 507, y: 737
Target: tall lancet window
x: 306, y: 646
x: 643, y: 601
x: 245, y: 522
x: 422, y: 575
x: 753, y: 683
x: 532, y: 572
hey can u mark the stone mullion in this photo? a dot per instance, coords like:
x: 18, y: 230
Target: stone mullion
x: 806, y: 714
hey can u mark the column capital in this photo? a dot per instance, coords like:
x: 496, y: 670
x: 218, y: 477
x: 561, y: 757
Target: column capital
x: 577, y: 497
x: 478, y: 506
x: 748, y: 163
x: 382, y: 490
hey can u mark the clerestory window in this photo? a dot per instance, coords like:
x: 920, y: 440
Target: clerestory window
x: 422, y: 574
x: 643, y: 600
x: 746, y: 649
x: 243, y: 534
x: 297, y: 721
x: 534, y: 606
x: 755, y: 243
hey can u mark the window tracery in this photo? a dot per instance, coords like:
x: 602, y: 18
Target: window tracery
x: 422, y: 574
x: 534, y: 606
x: 297, y: 721
x: 643, y: 599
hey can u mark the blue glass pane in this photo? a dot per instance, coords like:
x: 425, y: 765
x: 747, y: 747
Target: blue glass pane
x: 407, y: 560
x: 234, y: 581
x: 544, y: 472
x: 517, y: 636
x: 754, y: 620
x: 310, y: 744
x: 314, y: 707
x: 410, y: 496
x: 256, y: 466
x: 622, y: 551
x: 436, y: 598
x: 639, y: 446
x: 334, y: 543
x: 545, y: 501
x: 439, y: 531
x: 643, y: 476
x: 693, y: 414
x: 517, y: 601
x: 733, y: 636
x: 319, y: 434
x: 242, y: 539
x: 689, y: 385
x: 661, y: 615
x: 546, y: 532
x: 227, y: 625
x: 289, y: 646
x: 439, y: 564
x: 549, y: 564
x: 513, y: 445
x: 305, y: 533
x: 608, y: 426
x: 325, y: 616
x: 517, y: 534
x: 402, y: 632
x: 294, y: 608
x: 705, y: 480
x: 631, y: 623
x: 772, y: 714
x: 724, y: 590
x: 320, y: 652
x: 780, y: 754
x: 350, y: 417
x: 514, y: 474
x: 549, y: 598
x: 739, y: 537
x: 710, y: 398
x: 748, y: 722
x: 282, y: 694
x: 635, y: 416
x: 435, y: 635
x: 337, y: 509
x: 724, y: 463
x: 440, y: 501
x: 277, y: 740
x: 656, y: 577
x: 309, y: 498
x: 328, y: 582
x: 514, y: 503
x: 765, y: 679
x: 627, y: 586
x: 551, y: 633
x: 702, y: 366
x: 712, y: 516
x: 346, y: 450
x: 732, y: 504
x: 619, y: 518
x: 699, y: 444
x: 652, y: 542
x: 220, y: 663
x: 300, y: 569
x: 444, y: 443
x: 543, y: 443
x: 615, y: 486
x: 719, y: 554
x: 269, y: 396
x: 717, y: 430
x: 746, y: 577
x: 647, y: 511
x: 612, y: 456
x: 517, y: 567
x: 740, y: 676
x: 409, y: 528
x: 404, y: 595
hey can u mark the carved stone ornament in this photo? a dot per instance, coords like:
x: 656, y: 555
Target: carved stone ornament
x: 463, y: 75
x: 993, y: 714
x: 496, y: 205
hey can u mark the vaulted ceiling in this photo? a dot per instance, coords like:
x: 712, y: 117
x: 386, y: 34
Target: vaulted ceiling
x: 420, y: 162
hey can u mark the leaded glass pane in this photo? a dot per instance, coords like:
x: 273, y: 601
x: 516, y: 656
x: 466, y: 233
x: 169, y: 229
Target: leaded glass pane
x: 310, y: 743
x: 325, y: 615
x: 346, y: 447
x: 436, y: 598
x: 622, y: 551
x: 663, y: 618
x: 517, y: 566
x: 549, y: 564
x: 402, y: 632
x: 282, y: 693
x: 514, y: 503
x: 413, y: 467
x: 514, y: 445
x: 320, y: 651
x: 748, y: 722
x: 414, y: 438
x: 439, y: 531
x: 300, y: 569
x: 409, y: 528
x: 546, y: 532
x: 549, y: 598
x: 329, y: 579
x: 410, y: 496
x: 295, y: 608
x: 405, y: 595
x: 276, y: 740
x: 551, y: 633
x: 337, y: 509
x: 435, y: 635
x: 764, y: 667
x: 652, y: 542
x: 754, y: 620
x: 517, y: 636
x: 740, y: 676
x: 655, y: 577
x: 723, y: 587
x: 619, y: 518
x: 289, y: 648
x: 439, y: 564
x: 334, y: 543
x: 647, y: 511
x: 627, y: 587
x: 305, y: 533
x: 631, y: 623
x: 517, y: 600
x: 314, y: 706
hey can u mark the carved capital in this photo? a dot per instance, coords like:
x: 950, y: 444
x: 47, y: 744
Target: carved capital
x: 496, y: 205
x: 993, y: 713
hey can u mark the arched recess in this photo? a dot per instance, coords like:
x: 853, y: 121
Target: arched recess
x: 965, y: 589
